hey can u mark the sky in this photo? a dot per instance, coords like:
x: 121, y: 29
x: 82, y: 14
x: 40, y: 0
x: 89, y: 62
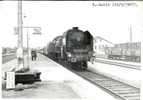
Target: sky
x: 110, y: 22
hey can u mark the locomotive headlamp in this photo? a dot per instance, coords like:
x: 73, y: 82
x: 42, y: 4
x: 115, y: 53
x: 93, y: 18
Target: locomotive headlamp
x: 69, y: 54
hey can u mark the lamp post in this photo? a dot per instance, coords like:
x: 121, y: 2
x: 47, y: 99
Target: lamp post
x: 131, y: 35
x: 28, y: 50
x: 38, y: 33
x: 131, y: 40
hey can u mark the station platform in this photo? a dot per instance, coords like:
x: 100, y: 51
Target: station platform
x: 57, y: 83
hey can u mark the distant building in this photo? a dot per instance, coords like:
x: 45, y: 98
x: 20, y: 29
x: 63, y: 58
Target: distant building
x: 100, y: 44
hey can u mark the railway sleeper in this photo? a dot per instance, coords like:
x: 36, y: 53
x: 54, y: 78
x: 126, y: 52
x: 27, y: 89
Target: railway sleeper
x: 132, y: 97
x: 128, y: 92
x: 123, y: 89
x: 114, y: 86
x: 88, y: 76
x: 120, y: 87
x: 106, y: 80
x: 118, y: 90
x: 96, y: 76
x: 100, y: 80
x: 106, y: 83
x: 128, y: 95
x: 113, y: 83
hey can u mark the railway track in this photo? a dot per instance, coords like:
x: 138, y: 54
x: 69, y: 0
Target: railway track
x: 137, y: 67
x: 9, y: 57
x: 119, y: 90
x: 115, y: 88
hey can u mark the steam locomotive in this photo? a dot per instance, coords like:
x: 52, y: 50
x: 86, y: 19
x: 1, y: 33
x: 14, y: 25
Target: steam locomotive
x: 74, y: 46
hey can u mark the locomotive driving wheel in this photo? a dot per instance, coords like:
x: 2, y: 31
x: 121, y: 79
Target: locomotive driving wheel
x: 74, y: 65
x: 83, y: 65
x: 79, y: 65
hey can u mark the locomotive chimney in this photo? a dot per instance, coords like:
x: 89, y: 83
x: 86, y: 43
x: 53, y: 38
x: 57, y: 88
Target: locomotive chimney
x: 75, y: 28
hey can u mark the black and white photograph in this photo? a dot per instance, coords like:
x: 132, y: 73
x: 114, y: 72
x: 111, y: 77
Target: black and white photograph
x: 79, y: 50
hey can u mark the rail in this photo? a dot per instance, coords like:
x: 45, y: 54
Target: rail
x: 121, y: 64
x: 8, y: 54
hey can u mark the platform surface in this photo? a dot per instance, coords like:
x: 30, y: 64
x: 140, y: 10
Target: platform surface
x: 57, y: 83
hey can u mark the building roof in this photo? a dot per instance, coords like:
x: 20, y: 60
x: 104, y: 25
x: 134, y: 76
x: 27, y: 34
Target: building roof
x: 101, y: 38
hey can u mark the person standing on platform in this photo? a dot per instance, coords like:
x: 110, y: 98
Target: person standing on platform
x: 33, y: 55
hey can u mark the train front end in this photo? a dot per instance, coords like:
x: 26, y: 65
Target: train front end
x: 79, y: 47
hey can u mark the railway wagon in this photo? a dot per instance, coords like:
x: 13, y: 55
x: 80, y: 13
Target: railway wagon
x: 75, y: 47
x: 44, y: 51
x: 125, y: 51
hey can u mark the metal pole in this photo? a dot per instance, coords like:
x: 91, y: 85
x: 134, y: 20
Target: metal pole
x: 130, y: 43
x: 20, y: 38
x: 130, y: 34
x: 28, y: 50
